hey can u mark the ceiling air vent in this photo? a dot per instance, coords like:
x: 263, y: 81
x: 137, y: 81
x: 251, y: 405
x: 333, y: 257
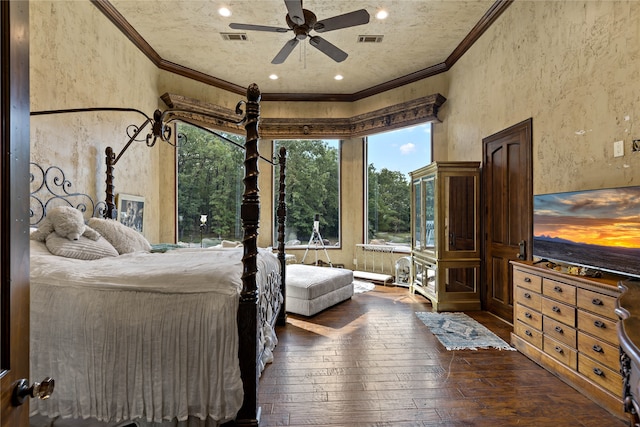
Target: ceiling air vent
x: 240, y: 37
x: 370, y: 39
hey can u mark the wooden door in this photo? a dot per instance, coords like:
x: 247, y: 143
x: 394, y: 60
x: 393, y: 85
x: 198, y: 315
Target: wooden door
x: 14, y: 209
x: 508, y: 216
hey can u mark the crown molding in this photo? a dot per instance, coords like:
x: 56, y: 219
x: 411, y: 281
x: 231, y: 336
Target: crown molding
x: 421, y: 110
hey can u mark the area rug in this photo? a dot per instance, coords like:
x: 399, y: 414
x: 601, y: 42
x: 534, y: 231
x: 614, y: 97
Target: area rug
x: 361, y: 286
x: 457, y: 331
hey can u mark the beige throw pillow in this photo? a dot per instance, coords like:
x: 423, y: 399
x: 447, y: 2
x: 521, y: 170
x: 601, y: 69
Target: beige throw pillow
x: 84, y: 248
x: 123, y: 238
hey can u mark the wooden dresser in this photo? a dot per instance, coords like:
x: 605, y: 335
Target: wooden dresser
x: 628, y: 309
x: 567, y: 324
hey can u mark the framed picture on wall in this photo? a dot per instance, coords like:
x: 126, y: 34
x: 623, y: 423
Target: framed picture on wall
x: 131, y: 211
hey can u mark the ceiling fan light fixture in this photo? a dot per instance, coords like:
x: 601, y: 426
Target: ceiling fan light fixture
x: 224, y: 11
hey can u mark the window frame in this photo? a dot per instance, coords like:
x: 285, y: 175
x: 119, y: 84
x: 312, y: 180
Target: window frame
x: 304, y: 244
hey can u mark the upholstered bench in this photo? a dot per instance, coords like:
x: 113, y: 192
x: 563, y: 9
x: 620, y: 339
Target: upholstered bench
x: 311, y: 289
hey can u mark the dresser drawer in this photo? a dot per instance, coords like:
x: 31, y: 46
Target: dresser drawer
x: 597, y: 326
x: 603, y: 305
x: 600, y: 374
x: 528, y: 297
x: 527, y: 280
x: 559, y: 311
x: 560, y: 332
x: 528, y: 333
x: 561, y: 352
x: 599, y: 351
x: 529, y: 316
x: 559, y: 291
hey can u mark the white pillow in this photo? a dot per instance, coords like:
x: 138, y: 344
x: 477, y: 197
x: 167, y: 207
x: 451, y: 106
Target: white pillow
x: 123, y: 238
x: 83, y: 248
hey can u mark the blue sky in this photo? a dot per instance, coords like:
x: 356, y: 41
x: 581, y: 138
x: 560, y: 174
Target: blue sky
x: 404, y: 150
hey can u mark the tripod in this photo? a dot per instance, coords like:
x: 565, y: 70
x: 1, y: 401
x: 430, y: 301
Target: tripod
x: 316, y: 239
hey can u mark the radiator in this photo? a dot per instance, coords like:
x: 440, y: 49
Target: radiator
x: 378, y: 258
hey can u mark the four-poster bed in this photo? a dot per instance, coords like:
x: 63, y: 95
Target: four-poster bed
x: 255, y: 305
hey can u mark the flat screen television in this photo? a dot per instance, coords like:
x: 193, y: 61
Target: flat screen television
x: 598, y: 229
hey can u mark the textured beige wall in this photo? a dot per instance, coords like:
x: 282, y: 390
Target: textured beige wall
x: 78, y: 59
x: 573, y: 67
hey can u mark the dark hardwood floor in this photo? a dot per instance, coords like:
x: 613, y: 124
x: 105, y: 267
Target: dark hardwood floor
x: 370, y: 362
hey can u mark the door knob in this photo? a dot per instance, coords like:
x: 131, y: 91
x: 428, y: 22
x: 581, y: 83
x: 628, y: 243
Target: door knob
x: 41, y: 390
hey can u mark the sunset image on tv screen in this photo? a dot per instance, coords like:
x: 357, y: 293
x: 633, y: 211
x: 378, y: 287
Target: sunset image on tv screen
x: 598, y: 228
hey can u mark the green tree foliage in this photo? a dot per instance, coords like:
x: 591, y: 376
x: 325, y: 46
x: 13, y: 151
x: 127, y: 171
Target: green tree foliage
x: 389, y: 202
x: 312, y: 188
x: 210, y: 173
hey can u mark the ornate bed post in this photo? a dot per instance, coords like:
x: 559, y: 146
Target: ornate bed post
x: 111, y: 212
x: 282, y: 215
x: 249, y: 414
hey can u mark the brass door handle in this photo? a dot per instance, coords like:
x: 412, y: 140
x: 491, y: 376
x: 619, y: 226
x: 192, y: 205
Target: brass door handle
x: 41, y: 390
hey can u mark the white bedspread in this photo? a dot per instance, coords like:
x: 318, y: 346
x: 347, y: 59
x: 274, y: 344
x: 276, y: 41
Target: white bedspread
x: 142, y: 335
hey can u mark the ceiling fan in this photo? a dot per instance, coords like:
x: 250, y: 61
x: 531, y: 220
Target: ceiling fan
x: 302, y: 22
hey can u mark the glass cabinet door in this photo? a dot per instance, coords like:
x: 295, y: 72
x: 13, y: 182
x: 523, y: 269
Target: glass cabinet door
x: 417, y: 219
x: 430, y: 212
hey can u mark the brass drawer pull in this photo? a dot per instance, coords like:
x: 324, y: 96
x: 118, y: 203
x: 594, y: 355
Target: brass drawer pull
x: 599, y: 324
x: 557, y: 289
x: 596, y: 301
x: 526, y: 279
x: 555, y: 309
x: 558, y: 350
x: 528, y: 333
x: 527, y: 295
x: 598, y: 372
x: 597, y: 348
x: 559, y: 330
x: 527, y: 315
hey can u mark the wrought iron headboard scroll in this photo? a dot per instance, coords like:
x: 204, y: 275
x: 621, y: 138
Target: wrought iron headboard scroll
x: 49, y: 188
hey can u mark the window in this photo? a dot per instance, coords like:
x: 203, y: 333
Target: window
x: 390, y: 158
x: 313, y: 188
x: 210, y: 186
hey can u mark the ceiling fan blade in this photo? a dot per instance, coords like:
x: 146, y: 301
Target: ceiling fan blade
x: 351, y: 19
x: 294, y: 7
x: 328, y: 49
x: 285, y: 51
x: 251, y: 27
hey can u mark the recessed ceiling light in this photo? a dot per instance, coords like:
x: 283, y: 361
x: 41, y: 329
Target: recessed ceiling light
x: 338, y: 77
x: 273, y: 77
x: 382, y: 14
x: 223, y: 11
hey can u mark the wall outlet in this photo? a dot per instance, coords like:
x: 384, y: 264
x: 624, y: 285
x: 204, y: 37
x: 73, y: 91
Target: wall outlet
x: 635, y: 147
x: 618, y: 149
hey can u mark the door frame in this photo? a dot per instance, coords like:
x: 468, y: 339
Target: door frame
x: 14, y: 208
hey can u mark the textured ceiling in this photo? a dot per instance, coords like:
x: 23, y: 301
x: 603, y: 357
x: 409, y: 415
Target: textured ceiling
x: 418, y: 35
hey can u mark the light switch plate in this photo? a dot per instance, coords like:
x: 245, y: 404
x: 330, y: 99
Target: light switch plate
x: 618, y: 149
